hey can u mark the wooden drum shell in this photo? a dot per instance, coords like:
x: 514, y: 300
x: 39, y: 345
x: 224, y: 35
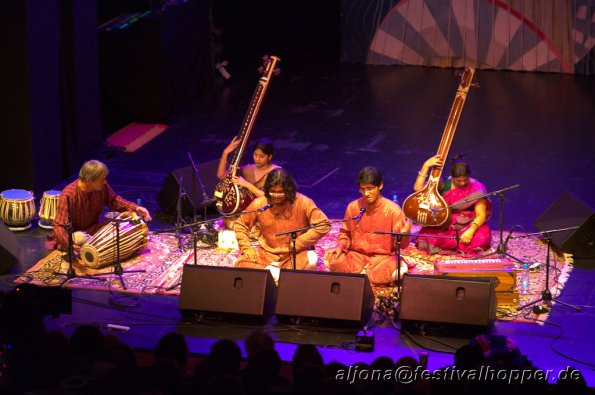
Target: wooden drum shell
x: 48, y: 208
x: 100, y: 250
x: 17, y: 209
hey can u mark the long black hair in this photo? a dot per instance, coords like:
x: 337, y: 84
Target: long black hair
x: 280, y: 177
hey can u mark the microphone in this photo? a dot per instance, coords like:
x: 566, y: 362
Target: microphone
x: 265, y: 207
x: 361, y: 214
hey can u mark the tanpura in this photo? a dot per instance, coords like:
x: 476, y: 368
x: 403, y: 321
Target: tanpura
x: 427, y: 207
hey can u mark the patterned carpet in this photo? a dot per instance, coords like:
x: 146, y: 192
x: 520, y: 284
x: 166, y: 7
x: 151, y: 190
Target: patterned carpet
x: 162, y: 264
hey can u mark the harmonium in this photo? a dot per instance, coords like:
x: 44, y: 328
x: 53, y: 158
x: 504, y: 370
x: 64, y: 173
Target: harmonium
x: 503, y: 270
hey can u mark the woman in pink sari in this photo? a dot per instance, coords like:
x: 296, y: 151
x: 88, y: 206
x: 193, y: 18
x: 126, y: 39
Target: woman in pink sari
x: 469, y: 218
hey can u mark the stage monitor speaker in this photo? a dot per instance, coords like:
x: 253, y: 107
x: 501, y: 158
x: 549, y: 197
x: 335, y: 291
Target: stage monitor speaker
x: 9, y: 249
x: 565, y: 212
x: 450, y: 302
x: 325, y: 299
x: 192, y: 197
x: 226, y: 293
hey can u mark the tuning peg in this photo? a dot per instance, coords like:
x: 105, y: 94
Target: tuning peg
x: 277, y: 71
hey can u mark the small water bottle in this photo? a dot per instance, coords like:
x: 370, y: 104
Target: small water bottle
x: 138, y: 202
x: 525, y: 279
x: 395, y: 198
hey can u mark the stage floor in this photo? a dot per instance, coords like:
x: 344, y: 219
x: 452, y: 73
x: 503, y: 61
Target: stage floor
x: 530, y: 129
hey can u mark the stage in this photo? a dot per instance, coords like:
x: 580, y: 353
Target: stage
x: 328, y: 124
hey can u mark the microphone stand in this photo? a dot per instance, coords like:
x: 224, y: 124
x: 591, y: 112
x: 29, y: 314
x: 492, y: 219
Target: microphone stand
x: 179, y: 219
x: 546, y: 295
x: 199, y: 223
x: 399, y: 237
x: 71, y: 273
x: 294, y: 233
x: 502, y: 248
x: 118, y: 270
x: 205, y: 200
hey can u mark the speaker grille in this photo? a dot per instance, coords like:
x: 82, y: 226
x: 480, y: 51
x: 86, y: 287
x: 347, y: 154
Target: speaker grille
x: 470, y: 301
x: 324, y: 298
x: 227, y: 293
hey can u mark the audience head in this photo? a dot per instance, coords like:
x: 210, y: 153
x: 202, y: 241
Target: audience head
x: 86, y: 341
x: 173, y: 346
x: 306, y: 355
x: 256, y: 342
x: 225, y: 357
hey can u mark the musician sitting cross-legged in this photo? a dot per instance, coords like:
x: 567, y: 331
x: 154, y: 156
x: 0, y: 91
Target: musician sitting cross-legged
x: 88, y: 196
x: 288, y: 210
x: 358, y: 247
x: 468, y: 220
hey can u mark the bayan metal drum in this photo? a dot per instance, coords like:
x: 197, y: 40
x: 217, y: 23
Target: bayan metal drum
x: 17, y: 209
x: 48, y: 208
x: 100, y: 250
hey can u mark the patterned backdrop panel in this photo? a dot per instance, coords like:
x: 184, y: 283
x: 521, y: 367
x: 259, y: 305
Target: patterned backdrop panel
x: 538, y: 35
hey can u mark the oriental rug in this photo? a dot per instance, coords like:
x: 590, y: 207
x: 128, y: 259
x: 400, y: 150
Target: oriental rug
x: 163, y: 260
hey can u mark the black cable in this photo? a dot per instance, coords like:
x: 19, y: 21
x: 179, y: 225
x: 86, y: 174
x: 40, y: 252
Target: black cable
x: 410, y: 336
x: 561, y: 353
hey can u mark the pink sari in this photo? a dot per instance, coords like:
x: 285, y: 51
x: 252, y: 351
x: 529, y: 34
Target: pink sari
x: 462, y: 216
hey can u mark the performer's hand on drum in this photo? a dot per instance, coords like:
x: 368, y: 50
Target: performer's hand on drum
x: 143, y: 212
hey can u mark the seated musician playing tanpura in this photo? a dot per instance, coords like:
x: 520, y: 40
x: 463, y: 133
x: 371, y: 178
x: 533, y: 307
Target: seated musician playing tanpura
x: 88, y: 195
x: 468, y: 220
x: 251, y: 177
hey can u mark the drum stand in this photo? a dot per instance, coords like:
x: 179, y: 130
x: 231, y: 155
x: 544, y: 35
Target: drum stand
x: 118, y: 270
x: 546, y: 294
x: 71, y: 273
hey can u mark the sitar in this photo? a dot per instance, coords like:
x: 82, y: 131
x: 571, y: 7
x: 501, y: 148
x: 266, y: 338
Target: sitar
x: 230, y: 198
x: 427, y: 207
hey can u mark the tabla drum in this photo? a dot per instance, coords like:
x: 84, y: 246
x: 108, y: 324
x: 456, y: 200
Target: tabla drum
x: 48, y: 208
x: 17, y: 209
x: 101, y: 249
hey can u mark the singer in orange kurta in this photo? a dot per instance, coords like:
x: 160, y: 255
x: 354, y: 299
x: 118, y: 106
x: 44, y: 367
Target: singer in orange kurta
x: 358, y: 246
x: 288, y: 210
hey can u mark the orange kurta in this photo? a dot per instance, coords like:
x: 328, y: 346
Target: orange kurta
x: 297, y: 214
x: 365, y: 249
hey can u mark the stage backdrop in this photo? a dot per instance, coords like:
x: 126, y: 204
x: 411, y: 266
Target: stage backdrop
x: 520, y: 35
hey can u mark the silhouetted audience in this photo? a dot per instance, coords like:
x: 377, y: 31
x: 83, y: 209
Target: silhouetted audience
x: 91, y: 362
x: 173, y: 346
x: 256, y: 342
